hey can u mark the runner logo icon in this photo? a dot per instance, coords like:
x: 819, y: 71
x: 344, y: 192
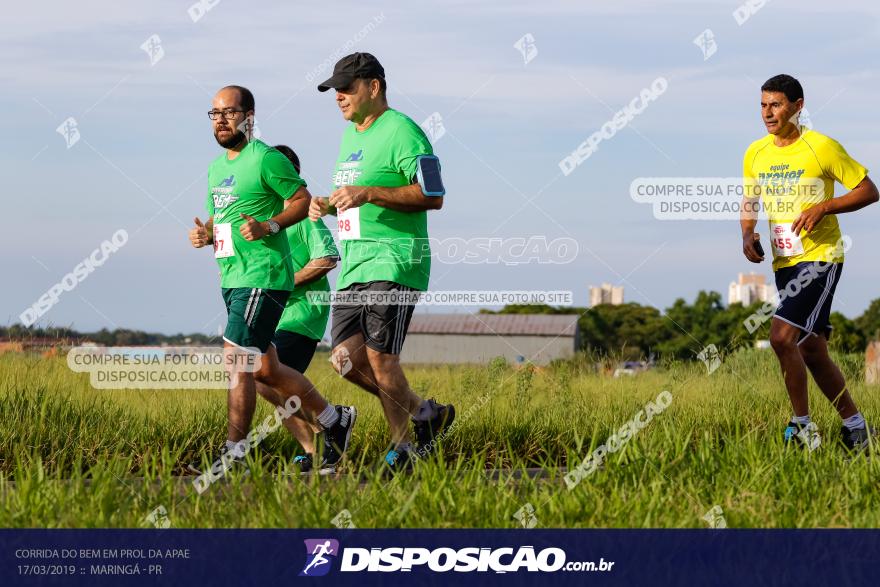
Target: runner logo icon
x: 318, y: 553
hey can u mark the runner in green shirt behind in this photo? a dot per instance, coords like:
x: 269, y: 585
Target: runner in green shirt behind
x: 381, y: 202
x: 302, y: 325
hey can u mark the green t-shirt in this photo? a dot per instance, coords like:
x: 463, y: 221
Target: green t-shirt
x: 379, y: 244
x: 255, y: 183
x: 308, y: 240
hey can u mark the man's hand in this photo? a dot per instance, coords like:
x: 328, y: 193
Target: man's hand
x: 198, y: 236
x: 809, y: 218
x: 253, y: 229
x: 318, y: 208
x: 749, y: 250
x: 349, y: 196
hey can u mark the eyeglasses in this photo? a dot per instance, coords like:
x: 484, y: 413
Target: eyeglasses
x: 228, y: 114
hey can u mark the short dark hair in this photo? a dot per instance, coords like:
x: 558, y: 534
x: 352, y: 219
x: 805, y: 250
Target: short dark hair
x: 786, y: 84
x: 290, y: 154
x: 245, y: 97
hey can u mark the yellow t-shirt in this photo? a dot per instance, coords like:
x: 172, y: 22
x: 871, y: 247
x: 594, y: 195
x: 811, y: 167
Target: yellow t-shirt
x: 794, y: 178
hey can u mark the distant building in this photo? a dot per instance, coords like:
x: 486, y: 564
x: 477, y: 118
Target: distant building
x: 749, y: 289
x: 478, y: 338
x: 606, y: 294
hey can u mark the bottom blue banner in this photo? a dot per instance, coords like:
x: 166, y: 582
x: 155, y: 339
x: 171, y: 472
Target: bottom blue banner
x: 437, y: 557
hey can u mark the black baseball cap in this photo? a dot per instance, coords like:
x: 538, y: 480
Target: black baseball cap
x: 352, y: 67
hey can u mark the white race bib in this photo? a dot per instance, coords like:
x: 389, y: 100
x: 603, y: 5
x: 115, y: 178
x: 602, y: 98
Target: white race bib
x: 785, y: 242
x: 349, y: 224
x: 223, y: 240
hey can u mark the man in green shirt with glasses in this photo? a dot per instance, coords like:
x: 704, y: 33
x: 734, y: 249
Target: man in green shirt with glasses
x: 254, y: 194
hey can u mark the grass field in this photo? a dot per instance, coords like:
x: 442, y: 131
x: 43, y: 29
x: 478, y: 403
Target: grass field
x: 73, y: 456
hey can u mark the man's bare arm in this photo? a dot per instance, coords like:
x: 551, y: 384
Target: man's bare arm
x: 862, y: 195
x: 408, y: 198
x: 748, y: 220
x: 296, y: 207
x: 314, y: 270
x: 404, y: 199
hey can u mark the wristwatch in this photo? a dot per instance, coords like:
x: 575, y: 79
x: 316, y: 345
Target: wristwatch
x: 274, y: 227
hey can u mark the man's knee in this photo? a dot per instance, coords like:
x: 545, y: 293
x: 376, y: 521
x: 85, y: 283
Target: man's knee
x: 353, y: 366
x: 268, y: 373
x: 782, y: 339
x: 387, y: 370
x: 341, y: 360
x: 384, y: 362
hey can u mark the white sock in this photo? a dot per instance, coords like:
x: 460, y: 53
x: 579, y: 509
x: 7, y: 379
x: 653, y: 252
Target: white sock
x: 854, y: 422
x: 234, y: 448
x: 801, y: 420
x: 328, y: 417
x: 404, y: 447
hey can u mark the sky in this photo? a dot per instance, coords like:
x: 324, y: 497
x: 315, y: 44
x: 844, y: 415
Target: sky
x: 509, y: 117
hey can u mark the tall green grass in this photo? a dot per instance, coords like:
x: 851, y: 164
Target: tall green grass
x: 73, y: 456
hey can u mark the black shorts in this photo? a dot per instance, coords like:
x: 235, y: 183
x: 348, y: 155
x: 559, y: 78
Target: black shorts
x: 383, y: 326
x: 294, y: 349
x: 805, y: 294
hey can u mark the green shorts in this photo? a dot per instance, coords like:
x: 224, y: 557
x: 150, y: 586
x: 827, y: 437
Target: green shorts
x: 252, y: 315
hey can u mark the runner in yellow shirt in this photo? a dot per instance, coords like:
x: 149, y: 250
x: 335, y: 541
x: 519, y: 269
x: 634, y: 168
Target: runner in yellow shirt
x: 793, y: 170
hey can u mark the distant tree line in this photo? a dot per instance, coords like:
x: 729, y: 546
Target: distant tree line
x: 633, y: 331
x: 630, y: 331
x: 117, y: 337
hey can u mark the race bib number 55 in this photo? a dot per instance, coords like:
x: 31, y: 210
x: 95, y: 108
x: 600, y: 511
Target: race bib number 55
x: 785, y: 242
x: 349, y: 224
x: 223, y: 240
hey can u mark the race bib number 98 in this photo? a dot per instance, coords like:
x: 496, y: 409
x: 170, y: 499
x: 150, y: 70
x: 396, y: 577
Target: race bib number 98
x: 349, y: 224
x: 223, y: 240
x: 785, y: 242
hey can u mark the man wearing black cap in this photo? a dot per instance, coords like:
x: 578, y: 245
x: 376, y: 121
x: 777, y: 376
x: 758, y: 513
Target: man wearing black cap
x: 381, y: 201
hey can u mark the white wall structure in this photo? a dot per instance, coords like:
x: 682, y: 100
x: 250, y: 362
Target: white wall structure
x: 606, y: 294
x: 478, y: 338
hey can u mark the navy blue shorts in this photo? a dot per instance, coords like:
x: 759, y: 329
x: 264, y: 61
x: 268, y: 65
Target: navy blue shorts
x: 295, y: 350
x: 805, y: 294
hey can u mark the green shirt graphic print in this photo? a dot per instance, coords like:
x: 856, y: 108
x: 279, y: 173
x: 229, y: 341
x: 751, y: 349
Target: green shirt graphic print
x: 255, y: 183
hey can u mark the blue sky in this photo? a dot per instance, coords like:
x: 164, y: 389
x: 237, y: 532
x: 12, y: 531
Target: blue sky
x: 146, y: 141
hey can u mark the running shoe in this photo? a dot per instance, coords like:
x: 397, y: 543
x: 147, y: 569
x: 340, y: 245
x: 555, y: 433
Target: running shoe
x: 429, y: 432
x: 303, y: 463
x: 337, y: 438
x: 802, y: 435
x: 859, y: 439
x: 396, y: 462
